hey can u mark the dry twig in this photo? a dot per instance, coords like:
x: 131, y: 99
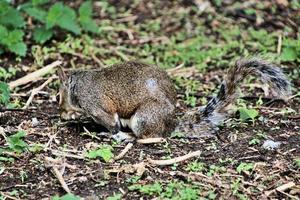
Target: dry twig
x: 174, y: 160
x: 151, y: 140
x: 34, y: 75
x: 36, y: 91
x: 123, y: 152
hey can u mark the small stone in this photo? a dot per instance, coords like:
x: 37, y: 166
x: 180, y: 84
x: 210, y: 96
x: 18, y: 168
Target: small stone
x: 271, y: 145
x: 34, y: 122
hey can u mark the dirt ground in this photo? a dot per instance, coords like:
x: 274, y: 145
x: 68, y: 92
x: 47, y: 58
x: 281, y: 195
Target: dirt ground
x: 233, y: 163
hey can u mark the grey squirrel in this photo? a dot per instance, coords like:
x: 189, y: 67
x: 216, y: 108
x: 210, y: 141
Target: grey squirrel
x: 143, y: 97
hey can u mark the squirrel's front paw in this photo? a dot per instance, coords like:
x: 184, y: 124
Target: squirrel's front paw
x: 123, y: 137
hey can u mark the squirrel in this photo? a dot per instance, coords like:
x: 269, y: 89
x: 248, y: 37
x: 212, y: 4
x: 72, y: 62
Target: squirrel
x: 143, y: 97
x: 131, y: 94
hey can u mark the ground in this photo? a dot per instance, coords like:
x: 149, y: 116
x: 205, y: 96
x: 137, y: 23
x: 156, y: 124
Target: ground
x: 203, y: 38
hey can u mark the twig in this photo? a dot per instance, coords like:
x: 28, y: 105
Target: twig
x: 36, y: 90
x: 151, y: 140
x: 34, y: 75
x: 97, y: 60
x: 122, y: 55
x: 174, y: 160
x: 61, y: 179
x: 87, y: 132
x: 64, y: 154
x: 8, y: 196
x: 123, y: 152
x: 286, y: 186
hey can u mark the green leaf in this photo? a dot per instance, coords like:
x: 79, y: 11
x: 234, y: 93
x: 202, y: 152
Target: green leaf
x: 54, y: 15
x: 4, y: 93
x: 39, y: 2
x: 86, y: 9
x: 115, y: 197
x: 10, y: 16
x: 3, y: 34
x: 104, y: 152
x: 289, y: 54
x: 69, y: 196
x: 16, y: 142
x: 68, y: 21
x: 247, y: 113
x: 41, y: 34
x: 64, y: 17
x: 18, y: 48
x: 244, y: 167
x: 13, y: 37
x: 37, y: 13
x: 89, y: 25
x: 85, y: 17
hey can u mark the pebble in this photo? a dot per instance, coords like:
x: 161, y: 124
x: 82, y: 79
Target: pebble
x: 271, y: 145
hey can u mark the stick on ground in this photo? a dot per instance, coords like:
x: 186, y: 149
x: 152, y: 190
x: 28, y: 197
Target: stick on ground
x: 123, y: 152
x: 174, y: 160
x: 151, y: 140
x: 34, y: 75
x: 36, y: 90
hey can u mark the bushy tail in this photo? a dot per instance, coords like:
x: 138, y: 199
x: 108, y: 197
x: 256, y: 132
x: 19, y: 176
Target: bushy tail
x: 269, y: 73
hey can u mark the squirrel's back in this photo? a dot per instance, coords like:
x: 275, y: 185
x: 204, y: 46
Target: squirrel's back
x: 125, y: 86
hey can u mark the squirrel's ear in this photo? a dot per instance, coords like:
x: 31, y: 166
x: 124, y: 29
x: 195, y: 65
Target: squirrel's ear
x: 62, y: 75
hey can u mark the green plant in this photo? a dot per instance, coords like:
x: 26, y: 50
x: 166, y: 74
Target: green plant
x: 7, y: 73
x: 246, y: 113
x: 215, y: 169
x: 150, y: 189
x: 11, y: 35
x: 245, y: 167
x: 115, y: 197
x: 133, y: 179
x: 175, y: 190
x: 257, y: 138
x: 4, y: 93
x: 195, y: 166
x: 297, y: 162
x: 47, y: 19
x: 69, y: 196
x: 290, y: 50
x: 16, y: 142
x: 235, y: 186
x: 104, y: 152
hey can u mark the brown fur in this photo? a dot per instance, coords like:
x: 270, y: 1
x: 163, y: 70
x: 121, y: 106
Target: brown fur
x: 131, y: 90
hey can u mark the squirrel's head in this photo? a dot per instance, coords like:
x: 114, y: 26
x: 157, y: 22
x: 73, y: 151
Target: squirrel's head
x: 67, y: 110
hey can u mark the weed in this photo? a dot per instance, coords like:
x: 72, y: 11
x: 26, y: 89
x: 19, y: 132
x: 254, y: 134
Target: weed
x: 4, y: 93
x: 215, y: 169
x: 16, y: 142
x: 195, y: 166
x: 175, y: 190
x: 246, y: 114
x: 297, y: 162
x: 235, y: 186
x: 104, y: 152
x: 150, y: 189
x: 245, y: 167
x: 69, y: 196
x: 133, y: 179
x: 7, y: 74
x: 47, y: 19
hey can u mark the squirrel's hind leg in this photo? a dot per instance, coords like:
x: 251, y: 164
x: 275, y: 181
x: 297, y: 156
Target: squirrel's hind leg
x: 153, y: 119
